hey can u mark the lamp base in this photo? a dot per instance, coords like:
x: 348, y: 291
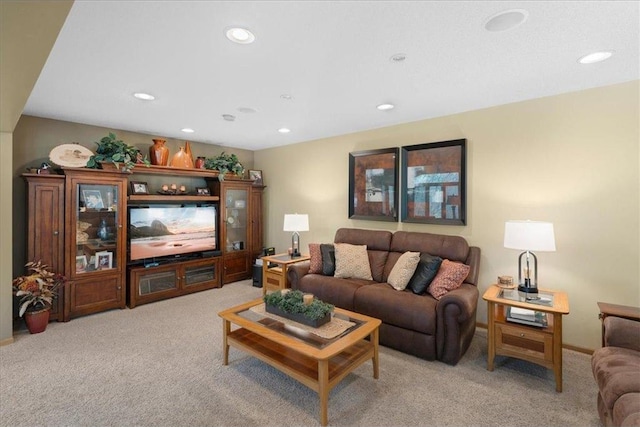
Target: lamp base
x: 295, y: 255
x: 527, y: 289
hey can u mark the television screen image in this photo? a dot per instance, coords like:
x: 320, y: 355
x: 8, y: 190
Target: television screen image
x: 161, y: 231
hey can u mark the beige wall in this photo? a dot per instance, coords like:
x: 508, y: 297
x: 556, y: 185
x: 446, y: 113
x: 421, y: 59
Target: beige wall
x: 571, y: 159
x: 6, y: 247
x: 34, y: 138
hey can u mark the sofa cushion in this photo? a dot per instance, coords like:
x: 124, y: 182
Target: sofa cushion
x: 403, y: 270
x: 626, y: 411
x: 615, y: 369
x: 352, y: 261
x: 402, y: 309
x: 454, y: 248
x: 425, y: 272
x: 378, y: 243
x: 339, y: 292
x: 315, y: 261
x: 328, y: 259
x: 450, y: 276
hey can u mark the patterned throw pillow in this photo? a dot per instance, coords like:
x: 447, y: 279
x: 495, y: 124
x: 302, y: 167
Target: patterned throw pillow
x: 450, y: 276
x: 425, y: 272
x: 328, y: 259
x: 352, y: 261
x: 403, y: 270
x: 315, y: 263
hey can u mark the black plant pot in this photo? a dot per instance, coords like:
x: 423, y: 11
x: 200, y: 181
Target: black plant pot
x: 298, y: 317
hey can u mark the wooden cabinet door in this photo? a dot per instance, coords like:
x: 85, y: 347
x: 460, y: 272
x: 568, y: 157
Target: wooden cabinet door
x: 45, y: 227
x: 237, y: 266
x: 257, y: 233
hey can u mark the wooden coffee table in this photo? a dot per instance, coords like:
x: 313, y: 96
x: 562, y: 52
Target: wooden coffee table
x: 316, y: 362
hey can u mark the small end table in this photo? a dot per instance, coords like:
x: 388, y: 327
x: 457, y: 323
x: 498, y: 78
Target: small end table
x: 275, y: 277
x: 540, y: 345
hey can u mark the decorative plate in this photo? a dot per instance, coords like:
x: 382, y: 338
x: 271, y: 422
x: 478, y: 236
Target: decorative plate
x: 70, y: 155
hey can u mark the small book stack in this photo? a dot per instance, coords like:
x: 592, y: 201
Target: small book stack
x: 526, y: 317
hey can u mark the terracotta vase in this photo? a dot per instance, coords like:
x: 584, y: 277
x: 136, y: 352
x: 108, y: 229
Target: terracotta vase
x: 37, y: 321
x: 158, y: 153
x: 182, y: 160
x: 187, y: 149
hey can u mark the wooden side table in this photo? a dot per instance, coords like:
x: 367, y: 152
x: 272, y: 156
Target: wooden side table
x: 275, y: 277
x: 540, y: 345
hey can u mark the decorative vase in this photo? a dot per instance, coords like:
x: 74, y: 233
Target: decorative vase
x: 158, y: 153
x: 187, y: 149
x: 182, y: 160
x: 38, y: 320
x: 102, y: 230
x: 200, y: 162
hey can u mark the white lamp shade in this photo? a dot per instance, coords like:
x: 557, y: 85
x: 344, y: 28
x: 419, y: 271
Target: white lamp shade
x: 529, y: 236
x: 296, y: 222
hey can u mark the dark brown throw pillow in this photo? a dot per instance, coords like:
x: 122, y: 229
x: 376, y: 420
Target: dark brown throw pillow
x: 425, y: 272
x: 328, y: 258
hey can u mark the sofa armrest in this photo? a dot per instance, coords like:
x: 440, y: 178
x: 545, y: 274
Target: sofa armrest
x: 619, y: 332
x: 456, y: 314
x: 295, y: 273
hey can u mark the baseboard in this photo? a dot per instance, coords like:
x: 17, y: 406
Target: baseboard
x: 6, y: 341
x: 567, y: 346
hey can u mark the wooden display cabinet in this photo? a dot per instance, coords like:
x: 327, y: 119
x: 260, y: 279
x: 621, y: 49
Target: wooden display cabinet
x: 95, y: 256
x: 45, y: 228
x: 148, y: 284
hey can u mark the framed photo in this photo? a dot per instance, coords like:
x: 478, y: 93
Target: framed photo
x: 256, y: 176
x: 139, y: 187
x: 203, y: 191
x: 81, y: 263
x: 434, y: 183
x: 104, y: 260
x: 373, y: 184
x: 92, y: 199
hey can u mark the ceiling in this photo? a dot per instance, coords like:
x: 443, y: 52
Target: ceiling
x: 332, y: 58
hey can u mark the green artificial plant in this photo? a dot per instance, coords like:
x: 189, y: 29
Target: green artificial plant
x: 224, y: 163
x: 111, y: 149
x: 293, y: 302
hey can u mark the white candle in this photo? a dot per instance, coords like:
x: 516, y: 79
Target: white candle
x: 284, y: 291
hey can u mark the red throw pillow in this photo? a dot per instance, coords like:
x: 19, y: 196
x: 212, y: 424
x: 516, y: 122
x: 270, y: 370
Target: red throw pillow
x: 450, y: 276
x: 315, y: 263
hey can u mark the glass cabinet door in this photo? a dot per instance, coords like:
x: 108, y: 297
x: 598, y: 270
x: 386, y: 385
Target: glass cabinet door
x: 235, y: 218
x: 97, y: 214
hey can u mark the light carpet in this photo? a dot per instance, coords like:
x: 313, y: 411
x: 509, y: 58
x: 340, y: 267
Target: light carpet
x: 160, y: 364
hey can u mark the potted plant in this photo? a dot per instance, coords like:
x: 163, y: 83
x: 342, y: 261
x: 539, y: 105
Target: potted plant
x: 224, y: 163
x: 111, y: 149
x: 36, y: 292
x: 292, y: 305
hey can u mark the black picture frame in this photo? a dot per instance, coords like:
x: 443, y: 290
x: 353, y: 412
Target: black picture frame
x: 139, y: 187
x: 256, y: 176
x: 434, y: 178
x: 373, y: 184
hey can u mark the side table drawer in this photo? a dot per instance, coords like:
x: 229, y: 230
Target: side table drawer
x: 524, y: 341
x: 274, y: 278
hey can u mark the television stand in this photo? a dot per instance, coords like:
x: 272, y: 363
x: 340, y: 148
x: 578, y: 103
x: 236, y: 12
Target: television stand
x: 153, y: 283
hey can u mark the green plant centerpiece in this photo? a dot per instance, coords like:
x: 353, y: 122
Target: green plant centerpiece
x: 290, y: 304
x: 111, y: 149
x: 224, y: 163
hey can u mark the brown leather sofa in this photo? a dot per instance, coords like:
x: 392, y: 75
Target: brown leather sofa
x: 616, y: 369
x: 415, y: 324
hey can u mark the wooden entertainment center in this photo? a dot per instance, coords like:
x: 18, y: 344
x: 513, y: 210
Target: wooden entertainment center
x: 77, y: 224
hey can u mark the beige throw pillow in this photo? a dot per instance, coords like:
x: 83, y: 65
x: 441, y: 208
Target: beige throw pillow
x: 403, y: 270
x: 352, y: 261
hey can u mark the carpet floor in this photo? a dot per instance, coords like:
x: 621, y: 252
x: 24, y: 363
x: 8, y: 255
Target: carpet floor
x: 160, y: 364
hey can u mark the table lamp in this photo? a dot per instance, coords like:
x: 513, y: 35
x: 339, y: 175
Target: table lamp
x: 296, y: 223
x: 529, y: 236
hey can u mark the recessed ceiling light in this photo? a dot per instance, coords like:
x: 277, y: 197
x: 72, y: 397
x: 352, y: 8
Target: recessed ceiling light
x: 229, y: 117
x: 144, y: 96
x: 240, y: 35
x: 284, y: 130
x: 187, y: 130
x: 247, y: 110
x: 385, y: 107
x: 594, y: 57
x: 506, y: 20
x: 286, y: 96
x: 398, y: 57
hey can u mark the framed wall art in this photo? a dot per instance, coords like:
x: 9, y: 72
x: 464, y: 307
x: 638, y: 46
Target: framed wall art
x: 373, y: 184
x: 434, y: 183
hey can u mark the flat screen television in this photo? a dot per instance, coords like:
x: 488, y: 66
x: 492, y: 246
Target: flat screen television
x: 162, y: 231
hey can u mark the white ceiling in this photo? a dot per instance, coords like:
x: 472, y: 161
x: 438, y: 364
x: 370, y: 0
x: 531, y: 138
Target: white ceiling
x: 332, y: 57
